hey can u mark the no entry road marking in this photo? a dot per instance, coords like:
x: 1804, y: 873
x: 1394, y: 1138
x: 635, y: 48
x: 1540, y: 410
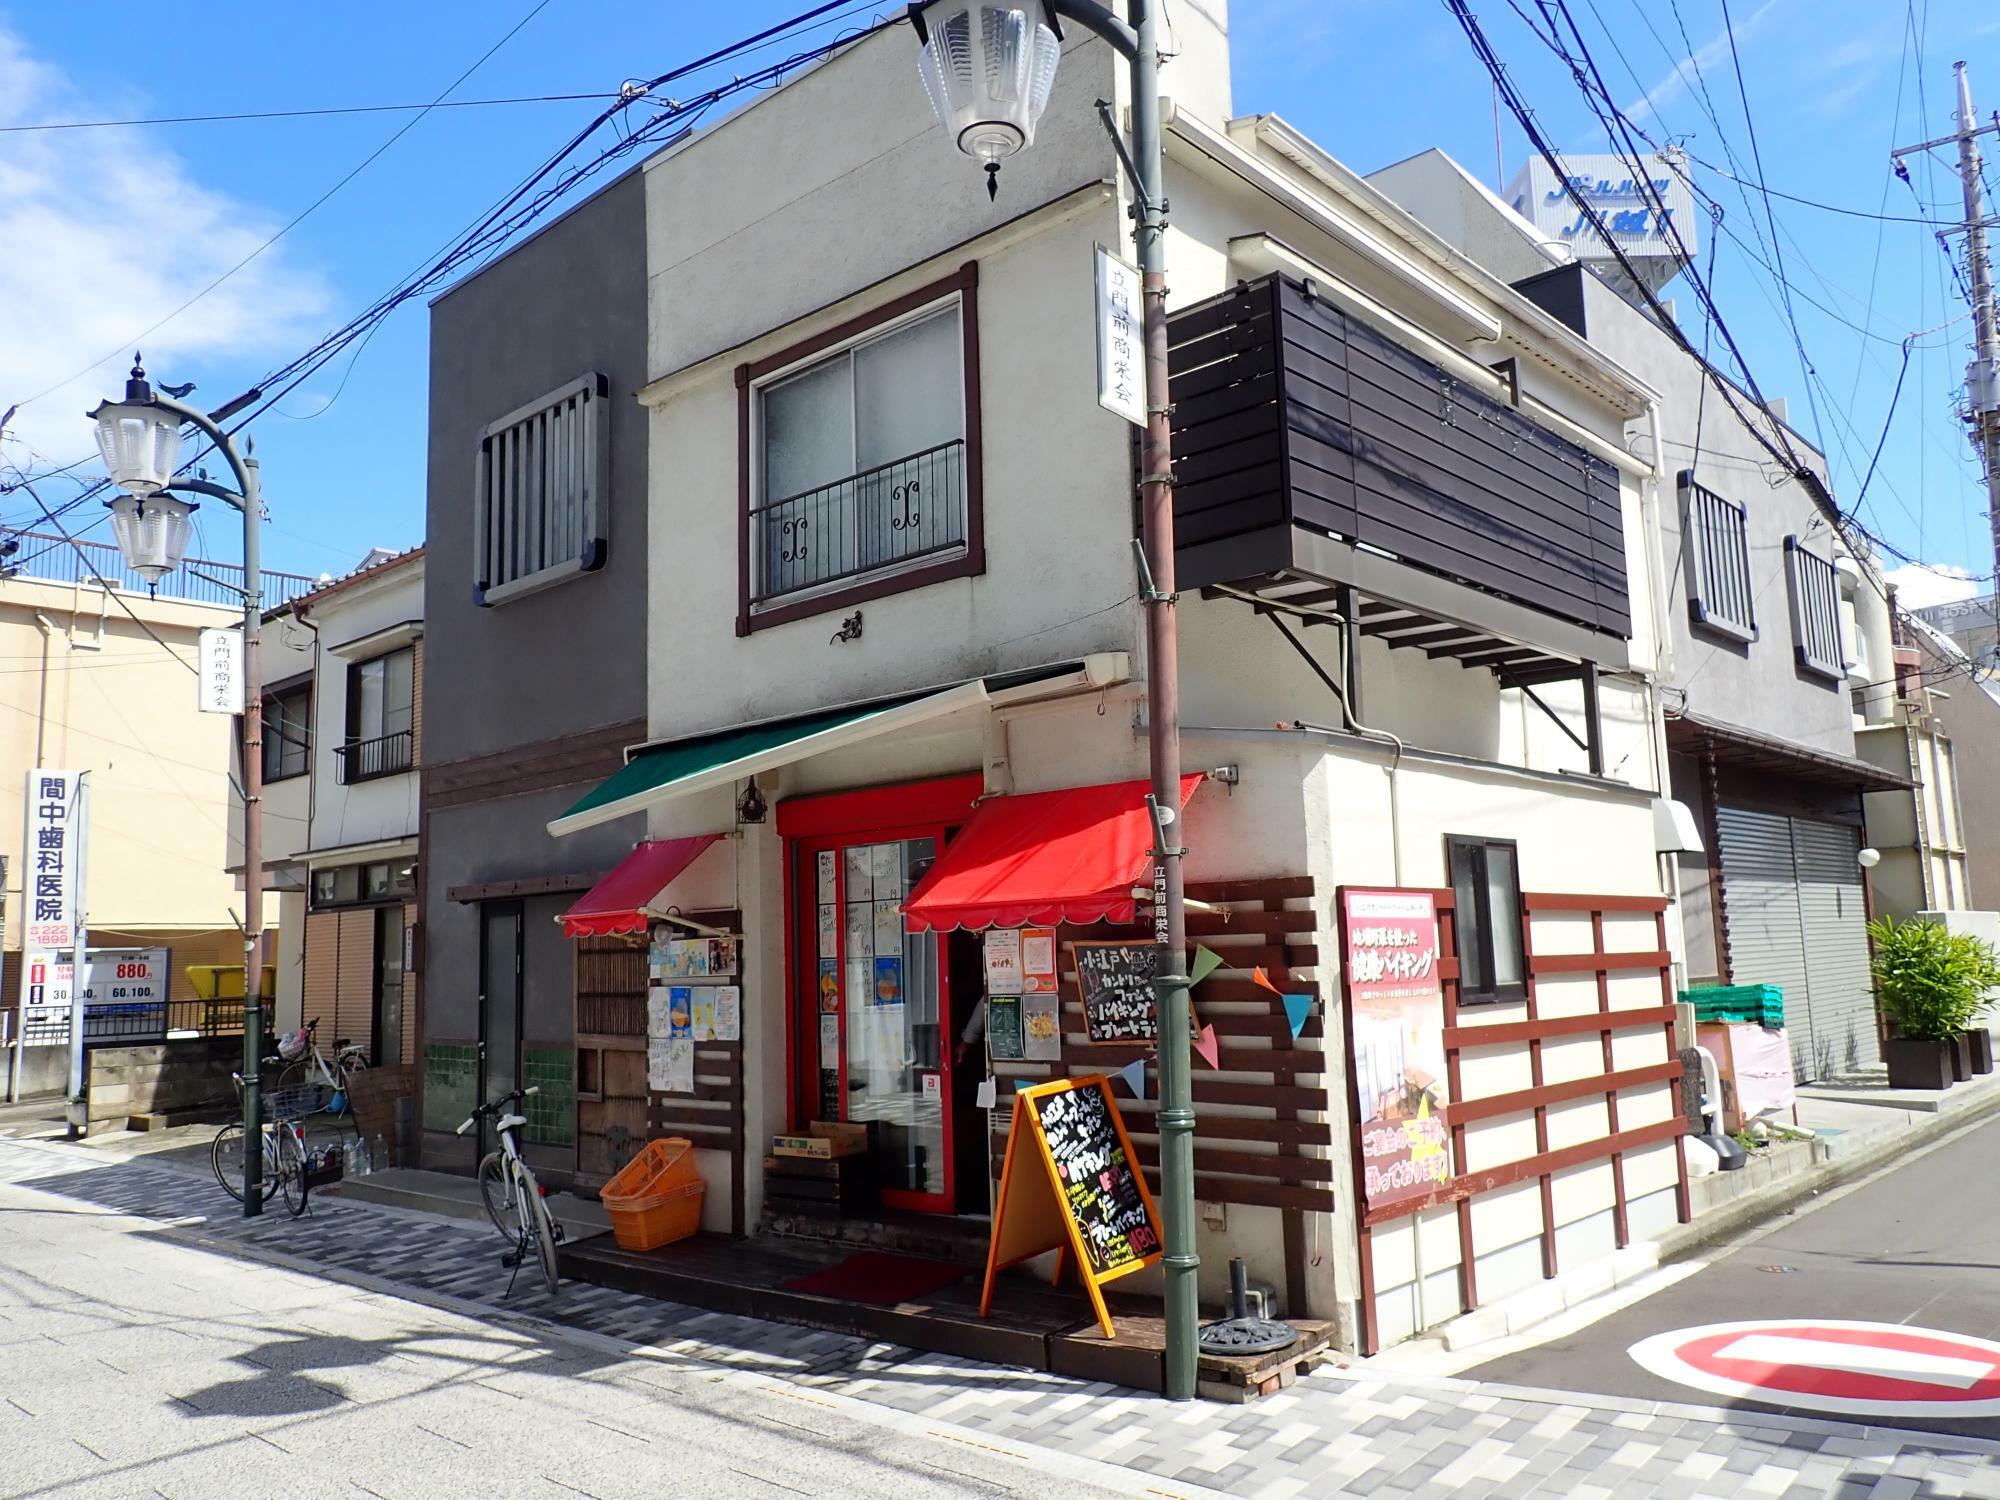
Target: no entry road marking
x: 1827, y: 1365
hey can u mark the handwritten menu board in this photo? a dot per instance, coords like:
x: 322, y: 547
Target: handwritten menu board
x: 1115, y: 983
x: 1100, y: 1185
x: 1071, y: 1183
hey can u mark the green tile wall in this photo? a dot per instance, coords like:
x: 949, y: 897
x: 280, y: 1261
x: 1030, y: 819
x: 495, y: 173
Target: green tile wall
x: 551, y: 1113
x: 451, y: 1083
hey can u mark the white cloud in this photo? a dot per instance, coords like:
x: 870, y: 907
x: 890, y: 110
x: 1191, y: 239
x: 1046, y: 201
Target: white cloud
x: 1703, y: 60
x: 106, y: 232
x: 1920, y: 585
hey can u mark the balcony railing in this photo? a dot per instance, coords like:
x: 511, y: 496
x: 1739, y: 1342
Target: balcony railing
x: 895, y: 513
x: 364, y: 760
x: 47, y: 558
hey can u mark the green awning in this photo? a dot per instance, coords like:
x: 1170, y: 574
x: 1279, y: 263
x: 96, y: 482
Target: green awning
x: 658, y: 773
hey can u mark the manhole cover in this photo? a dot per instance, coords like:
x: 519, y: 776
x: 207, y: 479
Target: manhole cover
x: 1246, y: 1336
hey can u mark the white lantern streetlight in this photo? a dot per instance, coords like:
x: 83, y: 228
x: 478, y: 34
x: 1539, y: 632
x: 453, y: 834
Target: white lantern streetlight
x: 988, y: 66
x: 140, y: 438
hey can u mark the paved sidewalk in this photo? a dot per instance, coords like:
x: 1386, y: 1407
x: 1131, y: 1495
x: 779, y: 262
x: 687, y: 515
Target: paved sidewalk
x: 1335, y: 1433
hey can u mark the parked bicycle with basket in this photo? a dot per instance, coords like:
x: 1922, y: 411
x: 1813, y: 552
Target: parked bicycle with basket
x: 290, y: 1169
x: 514, y: 1199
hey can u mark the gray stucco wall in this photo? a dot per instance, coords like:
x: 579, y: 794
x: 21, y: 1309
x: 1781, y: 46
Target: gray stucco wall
x: 541, y: 667
x: 570, y: 300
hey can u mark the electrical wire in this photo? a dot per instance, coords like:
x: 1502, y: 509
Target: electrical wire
x: 296, y: 114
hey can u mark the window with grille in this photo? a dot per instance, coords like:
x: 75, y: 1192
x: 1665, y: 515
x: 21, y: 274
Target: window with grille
x: 542, y: 492
x: 1716, y: 533
x: 862, y: 460
x: 1815, y: 586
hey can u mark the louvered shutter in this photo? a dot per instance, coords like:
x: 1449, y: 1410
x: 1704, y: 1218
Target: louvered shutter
x: 1834, y: 920
x: 1760, y: 895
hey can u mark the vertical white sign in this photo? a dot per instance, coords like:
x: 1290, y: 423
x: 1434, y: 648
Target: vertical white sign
x: 1121, y: 353
x: 221, y: 659
x: 49, y: 856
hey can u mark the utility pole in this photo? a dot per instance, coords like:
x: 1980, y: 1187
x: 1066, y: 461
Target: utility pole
x: 1982, y: 375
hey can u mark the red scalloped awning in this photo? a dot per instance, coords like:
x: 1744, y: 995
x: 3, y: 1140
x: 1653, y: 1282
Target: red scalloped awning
x: 617, y: 902
x: 1041, y: 858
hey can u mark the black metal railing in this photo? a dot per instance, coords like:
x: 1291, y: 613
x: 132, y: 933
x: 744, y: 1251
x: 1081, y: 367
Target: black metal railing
x: 364, y: 760
x: 895, y: 513
x: 56, y: 559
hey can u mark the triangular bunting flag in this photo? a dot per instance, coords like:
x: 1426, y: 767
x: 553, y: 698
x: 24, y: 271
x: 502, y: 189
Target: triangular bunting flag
x: 1207, y: 1046
x: 1297, y: 1009
x: 1205, y: 963
x: 1265, y: 980
x: 1134, y: 1074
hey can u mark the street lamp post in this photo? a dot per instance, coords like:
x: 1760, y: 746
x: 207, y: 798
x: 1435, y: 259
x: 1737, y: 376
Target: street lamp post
x: 140, y: 438
x: 989, y: 67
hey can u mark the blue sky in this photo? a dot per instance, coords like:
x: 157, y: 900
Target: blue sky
x: 104, y: 233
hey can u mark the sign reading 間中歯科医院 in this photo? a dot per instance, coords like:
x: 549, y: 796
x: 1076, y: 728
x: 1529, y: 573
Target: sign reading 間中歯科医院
x: 1395, y: 1019
x: 49, y: 854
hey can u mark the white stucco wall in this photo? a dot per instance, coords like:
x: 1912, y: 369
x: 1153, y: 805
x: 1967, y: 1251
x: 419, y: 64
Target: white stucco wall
x: 386, y: 807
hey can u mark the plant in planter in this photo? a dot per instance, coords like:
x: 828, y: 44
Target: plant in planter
x: 1933, y: 985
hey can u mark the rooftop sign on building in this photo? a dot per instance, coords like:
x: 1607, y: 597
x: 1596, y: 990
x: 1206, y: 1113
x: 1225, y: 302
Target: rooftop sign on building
x: 1651, y: 219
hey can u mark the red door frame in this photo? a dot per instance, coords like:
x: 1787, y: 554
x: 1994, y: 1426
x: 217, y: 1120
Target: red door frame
x: 923, y: 809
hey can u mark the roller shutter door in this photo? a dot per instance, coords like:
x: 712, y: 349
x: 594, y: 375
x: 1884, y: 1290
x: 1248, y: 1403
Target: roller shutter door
x: 1760, y: 893
x: 1792, y: 893
x: 1834, y: 917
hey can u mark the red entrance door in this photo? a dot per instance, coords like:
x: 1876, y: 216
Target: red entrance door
x: 875, y: 1046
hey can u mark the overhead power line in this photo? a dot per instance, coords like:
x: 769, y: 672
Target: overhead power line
x: 296, y: 114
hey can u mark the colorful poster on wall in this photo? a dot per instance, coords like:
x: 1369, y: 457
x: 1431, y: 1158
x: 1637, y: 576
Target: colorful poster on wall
x: 1395, y: 1010
x: 722, y: 955
x: 829, y: 984
x: 701, y: 1025
x: 1003, y: 961
x: 680, y: 1012
x: 1041, y: 1027
x: 1038, y: 960
x: 686, y: 958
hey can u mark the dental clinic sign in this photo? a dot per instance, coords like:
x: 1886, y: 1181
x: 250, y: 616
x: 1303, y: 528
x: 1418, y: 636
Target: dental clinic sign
x: 51, y: 880
x: 1638, y: 208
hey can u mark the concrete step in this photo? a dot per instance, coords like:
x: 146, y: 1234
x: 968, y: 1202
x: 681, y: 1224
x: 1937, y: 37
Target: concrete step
x: 457, y: 1197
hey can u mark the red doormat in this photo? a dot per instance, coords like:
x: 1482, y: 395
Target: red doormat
x: 883, y: 1280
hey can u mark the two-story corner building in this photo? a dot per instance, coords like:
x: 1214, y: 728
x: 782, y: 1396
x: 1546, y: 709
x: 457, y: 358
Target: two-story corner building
x: 343, y: 669
x: 536, y: 632
x: 895, y: 735
x: 1778, y: 651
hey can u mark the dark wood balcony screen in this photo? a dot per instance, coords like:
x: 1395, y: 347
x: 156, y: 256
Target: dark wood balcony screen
x: 1290, y: 413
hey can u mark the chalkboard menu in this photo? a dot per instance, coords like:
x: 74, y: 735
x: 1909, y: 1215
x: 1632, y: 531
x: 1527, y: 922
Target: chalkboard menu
x: 1099, y: 1183
x: 1071, y: 1184
x: 1115, y: 983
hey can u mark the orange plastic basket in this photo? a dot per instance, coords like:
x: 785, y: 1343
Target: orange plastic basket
x: 656, y: 1197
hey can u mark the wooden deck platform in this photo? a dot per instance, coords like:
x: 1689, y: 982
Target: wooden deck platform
x: 1032, y: 1326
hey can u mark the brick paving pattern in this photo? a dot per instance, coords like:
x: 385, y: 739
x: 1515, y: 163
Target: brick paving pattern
x: 1335, y: 1433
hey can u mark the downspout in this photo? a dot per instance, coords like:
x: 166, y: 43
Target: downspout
x: 1652, y: 505
x: 1912, y: 741
x: 42, y: 711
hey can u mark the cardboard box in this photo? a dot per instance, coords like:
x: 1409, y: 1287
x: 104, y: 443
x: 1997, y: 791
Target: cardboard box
x: 824, y: 1140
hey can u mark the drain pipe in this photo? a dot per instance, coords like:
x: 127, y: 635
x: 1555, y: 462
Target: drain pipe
x: 49, y: 629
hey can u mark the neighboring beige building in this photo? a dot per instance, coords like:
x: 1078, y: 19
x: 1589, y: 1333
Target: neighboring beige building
x: 103, y: 680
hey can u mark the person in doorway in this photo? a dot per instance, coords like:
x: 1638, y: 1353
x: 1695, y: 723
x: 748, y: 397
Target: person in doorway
x: 973, y: 1033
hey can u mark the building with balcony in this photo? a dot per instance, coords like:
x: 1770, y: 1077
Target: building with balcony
x: 889, y: 714
x: 343, y: 669
x: 100, y: 677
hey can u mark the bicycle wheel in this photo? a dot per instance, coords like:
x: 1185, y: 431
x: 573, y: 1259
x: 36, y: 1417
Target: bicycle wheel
x: 291, y: 1170
x: 495, y: 1194
x: 545, y: 1240
x: 226, y: 1157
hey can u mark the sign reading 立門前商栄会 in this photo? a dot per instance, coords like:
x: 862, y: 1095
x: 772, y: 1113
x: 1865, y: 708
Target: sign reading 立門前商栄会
x: 220, y: 655
x: 1395, y: 1017
x: 1121, y: 342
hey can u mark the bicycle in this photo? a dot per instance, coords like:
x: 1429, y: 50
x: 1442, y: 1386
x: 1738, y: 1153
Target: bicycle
x: 304, y: 1063
x: 514, y: 1199
x: 286, y: 1162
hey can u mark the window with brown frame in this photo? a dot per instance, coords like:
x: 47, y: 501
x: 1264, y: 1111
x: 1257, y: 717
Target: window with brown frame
x: 859, y: 459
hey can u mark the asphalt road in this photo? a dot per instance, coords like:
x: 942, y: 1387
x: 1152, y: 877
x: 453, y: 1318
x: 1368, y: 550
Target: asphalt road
x: 1917, y: 1244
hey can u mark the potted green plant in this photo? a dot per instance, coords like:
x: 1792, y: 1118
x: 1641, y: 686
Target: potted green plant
x: 1932, y: 984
